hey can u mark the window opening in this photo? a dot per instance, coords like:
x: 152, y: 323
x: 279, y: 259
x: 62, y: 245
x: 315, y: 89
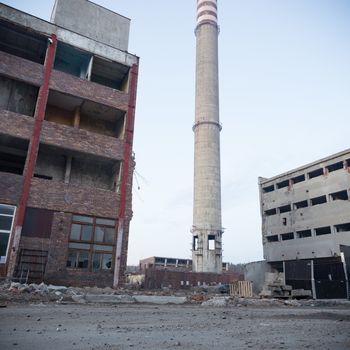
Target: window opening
x: 318, y: 200
x: 211, y: 242
x: 298, y: 179
x: 304, y: 233
x: 299, y: 205
x: 335, y: 166
x: 270, y: 212
x: 287, y: 236
x: 285, y: 209
x: 195, y: 242
x: 342, y: 227
x: 315, y: 173
x: 341, y: 195
x: 323, y: 231
x: 268, y: 189
x: 273, y: 238
x: 283, y: 184
x: 7, y: 214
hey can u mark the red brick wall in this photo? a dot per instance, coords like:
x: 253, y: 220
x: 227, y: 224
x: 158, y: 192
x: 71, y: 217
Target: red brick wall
x: 10, y: 188
x: 58, y: 196
x: 155, y: 279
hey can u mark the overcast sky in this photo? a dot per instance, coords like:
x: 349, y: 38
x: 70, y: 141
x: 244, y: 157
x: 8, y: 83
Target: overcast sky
x: 284, y: 102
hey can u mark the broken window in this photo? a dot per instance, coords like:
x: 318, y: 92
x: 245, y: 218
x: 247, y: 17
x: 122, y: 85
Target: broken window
x: 318, y: 200
x: 287, y: 236
x: 323, y: 231
x: 285, y: 209
x: 341, y: 195
x: 299, y: 205
x: 283, y: 184
x: 37, y: 223
x: 273, y: 238
x: 304, y: 233
x: 268, y: 189
x: 299, y: 178
x: 342, y: 227
x: 270, y: 212
x: 195, y: 242
x: 7, y: 214
x: 211, y: 242
x: 335, y: 166
x: 315, y: 173
x: 91, y: 243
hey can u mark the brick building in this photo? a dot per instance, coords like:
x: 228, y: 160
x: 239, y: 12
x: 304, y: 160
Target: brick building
x: 67, y: 104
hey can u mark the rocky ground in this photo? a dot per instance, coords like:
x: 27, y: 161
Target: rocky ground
x: 42, y: 318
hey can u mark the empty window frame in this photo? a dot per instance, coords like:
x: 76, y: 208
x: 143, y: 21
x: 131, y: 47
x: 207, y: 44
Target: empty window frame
x: 268, y: 189
x: 273, y: 238
x: 7, y: 214
x: 315, y: 173
x: 318, y: 200
x: 341, y: 195
x: 195, y: 242
x: 342, y: 227
x: 211, y: 242
x: 323, y: 231
x: 287, y: 236
x: 91, y: 243
x: 301, y: 204
x: 298, y: 179
x: 283, y: 184
x: 335, y: 166
x: 270, y: 212
x: 285, y: 209
x: 304, y: 233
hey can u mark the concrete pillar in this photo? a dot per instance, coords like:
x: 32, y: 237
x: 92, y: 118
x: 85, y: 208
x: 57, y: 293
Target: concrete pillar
x: 207, y: 227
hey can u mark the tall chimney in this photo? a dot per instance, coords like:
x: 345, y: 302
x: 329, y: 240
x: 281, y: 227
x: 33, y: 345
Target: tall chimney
x: 207, y: 229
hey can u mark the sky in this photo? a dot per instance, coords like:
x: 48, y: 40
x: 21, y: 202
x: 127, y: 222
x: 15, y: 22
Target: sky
x: 284, y: 102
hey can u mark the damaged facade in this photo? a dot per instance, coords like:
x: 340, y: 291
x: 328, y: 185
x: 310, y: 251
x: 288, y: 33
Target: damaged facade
x: 306, y: 225
x: 67, y: 103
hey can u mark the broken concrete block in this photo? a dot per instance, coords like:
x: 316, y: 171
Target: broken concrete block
x: 216, y: 302
x: 301, y: 293
x: 79, y: 299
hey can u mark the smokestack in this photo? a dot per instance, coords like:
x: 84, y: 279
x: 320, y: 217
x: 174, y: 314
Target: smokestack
x: 207, y: 229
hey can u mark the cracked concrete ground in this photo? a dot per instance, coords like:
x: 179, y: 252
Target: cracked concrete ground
x: 118, y: 327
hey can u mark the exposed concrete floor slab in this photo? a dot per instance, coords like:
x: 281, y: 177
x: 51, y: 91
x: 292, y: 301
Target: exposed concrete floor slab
x: 117, y: 327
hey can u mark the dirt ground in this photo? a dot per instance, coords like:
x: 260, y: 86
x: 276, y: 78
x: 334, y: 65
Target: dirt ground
x: 116, y: 327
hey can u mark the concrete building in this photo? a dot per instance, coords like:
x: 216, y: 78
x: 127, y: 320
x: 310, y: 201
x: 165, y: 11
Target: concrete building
x: 306, y: 225
x: 67, y: 104
x: 177, y: 264
x: 207, y: 227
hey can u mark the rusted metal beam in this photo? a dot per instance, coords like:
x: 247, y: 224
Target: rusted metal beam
x: 129, y: 136
x: 32, y: 154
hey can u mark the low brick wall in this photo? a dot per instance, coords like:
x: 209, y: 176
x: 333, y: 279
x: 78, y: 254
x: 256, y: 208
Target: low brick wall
x: 155, y: 279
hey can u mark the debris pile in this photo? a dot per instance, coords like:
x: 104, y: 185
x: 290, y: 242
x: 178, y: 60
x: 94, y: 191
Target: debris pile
x: 275, y: 287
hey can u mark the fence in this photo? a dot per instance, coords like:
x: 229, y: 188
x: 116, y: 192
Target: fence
x: 242, y: 289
